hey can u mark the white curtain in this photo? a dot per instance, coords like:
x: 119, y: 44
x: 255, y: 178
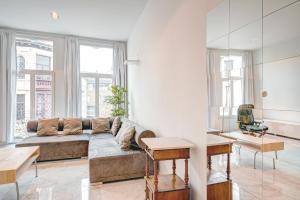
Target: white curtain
x: 248, y: 80
x: 7, y: 85
x: 119, y: 68
x: 72, y: 78
x: 214, y: 84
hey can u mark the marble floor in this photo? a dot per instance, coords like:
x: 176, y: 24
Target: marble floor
x: 68, y: 180
x: 264, y: 182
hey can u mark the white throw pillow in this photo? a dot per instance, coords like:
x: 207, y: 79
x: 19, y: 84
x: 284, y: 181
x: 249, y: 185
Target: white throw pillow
x: 125, y: 135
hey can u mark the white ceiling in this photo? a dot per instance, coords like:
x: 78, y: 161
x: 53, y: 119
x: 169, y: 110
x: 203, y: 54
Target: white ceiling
x: 106, y: 19
x: 247, y: 28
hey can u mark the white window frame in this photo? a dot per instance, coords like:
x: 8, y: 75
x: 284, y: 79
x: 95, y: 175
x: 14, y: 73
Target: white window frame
x: 230, y: 79
x: 33, y: 73
x: 97, y: 84
x: 97, y: 76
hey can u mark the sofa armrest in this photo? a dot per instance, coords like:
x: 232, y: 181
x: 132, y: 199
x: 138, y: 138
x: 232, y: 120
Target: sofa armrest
x: 32, y: 125
x: 142, y: 133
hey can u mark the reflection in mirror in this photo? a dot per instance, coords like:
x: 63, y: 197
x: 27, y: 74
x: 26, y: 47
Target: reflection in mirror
x: 253, y: 70
x: 281, y: 105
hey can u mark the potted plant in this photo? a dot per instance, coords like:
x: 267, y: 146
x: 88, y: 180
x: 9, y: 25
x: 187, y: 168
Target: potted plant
x: 118, y: 101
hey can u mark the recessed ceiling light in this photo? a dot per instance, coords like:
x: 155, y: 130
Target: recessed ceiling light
x: 54, y: 15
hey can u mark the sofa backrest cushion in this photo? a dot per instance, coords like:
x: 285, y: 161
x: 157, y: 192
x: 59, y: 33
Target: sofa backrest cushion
x: 100, y: 125
x: 136, y: 142
x: 47, y: 127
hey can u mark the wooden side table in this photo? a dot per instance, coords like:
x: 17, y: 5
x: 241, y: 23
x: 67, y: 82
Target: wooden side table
x: 167, y: 187
x: 219, y: 186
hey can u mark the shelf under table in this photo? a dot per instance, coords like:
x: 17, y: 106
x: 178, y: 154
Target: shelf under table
x: 166, y: 183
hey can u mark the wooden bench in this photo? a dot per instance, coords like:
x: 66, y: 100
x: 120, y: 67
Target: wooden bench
x: 257, y: 144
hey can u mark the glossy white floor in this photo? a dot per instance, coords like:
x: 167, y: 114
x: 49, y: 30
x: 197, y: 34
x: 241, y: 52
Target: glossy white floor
x: 264, y: 182
x: 68, y: 180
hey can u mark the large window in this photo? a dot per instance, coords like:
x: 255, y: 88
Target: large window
x: 96, y: 78
x: 34, y: 88
x: 232, y: 88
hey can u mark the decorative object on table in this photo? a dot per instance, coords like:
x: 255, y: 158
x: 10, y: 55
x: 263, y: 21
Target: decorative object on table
x: 246, y: 121
x: 118, y: 101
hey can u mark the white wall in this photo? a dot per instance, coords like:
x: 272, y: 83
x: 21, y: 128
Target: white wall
x: 279, y: 75
x: 167, y: 89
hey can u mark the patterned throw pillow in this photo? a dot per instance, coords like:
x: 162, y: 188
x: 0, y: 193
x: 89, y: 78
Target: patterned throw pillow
x: 47, y: 127
x: 100, y: 125
x: 124, y: 135
x: 72, y: 126
x: 115, y: 126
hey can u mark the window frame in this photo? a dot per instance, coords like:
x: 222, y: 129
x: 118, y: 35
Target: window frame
x: 32, y: 74
x: 97, y: 76
x: 231, y: 80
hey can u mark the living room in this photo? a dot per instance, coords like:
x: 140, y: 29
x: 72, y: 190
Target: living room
x: 140, y: 99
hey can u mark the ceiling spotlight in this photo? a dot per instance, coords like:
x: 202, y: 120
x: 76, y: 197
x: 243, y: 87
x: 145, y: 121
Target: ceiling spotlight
x: 54, y: 15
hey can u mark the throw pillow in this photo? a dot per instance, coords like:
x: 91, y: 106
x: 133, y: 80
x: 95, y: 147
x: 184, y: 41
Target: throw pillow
x: 125, y: 135
x: 47, y: 127
x: 115, y: 126
x: 100, y: 125
x: 72, y: 126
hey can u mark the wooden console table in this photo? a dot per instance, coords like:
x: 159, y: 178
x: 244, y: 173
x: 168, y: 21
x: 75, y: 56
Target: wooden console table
x: 14, y: 161
x: 166, y: 187
x: 218, y: 186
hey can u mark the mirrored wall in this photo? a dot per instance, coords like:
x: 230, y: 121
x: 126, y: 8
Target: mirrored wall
x: 253, y: 71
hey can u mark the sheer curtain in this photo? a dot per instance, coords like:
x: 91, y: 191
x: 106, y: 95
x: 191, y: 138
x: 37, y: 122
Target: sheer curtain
x: 119, y: 68
x: 214, y: 84
x: 248, y: 80
x: 72, y: 78
x: 7, y: 85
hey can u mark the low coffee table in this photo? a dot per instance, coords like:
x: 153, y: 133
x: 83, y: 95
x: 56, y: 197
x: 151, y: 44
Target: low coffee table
x: 14, y: 161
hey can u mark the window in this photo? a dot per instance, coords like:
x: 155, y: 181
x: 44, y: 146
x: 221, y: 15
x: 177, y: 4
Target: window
x: 34, y: 88
x: 20, y: 66
x: 20, y: 106
x: 232, y: 88
x: 96, y: 64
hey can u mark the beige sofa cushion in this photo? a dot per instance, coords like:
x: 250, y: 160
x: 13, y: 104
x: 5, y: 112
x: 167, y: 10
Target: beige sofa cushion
x: 47, y: 127
x: 72, y: 126
x: 115, y: 126
x: 100, y: 125
x: 125, y: 135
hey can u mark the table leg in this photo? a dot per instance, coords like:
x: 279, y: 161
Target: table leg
x: 155, y: 176
x: 36, y: 169
x: 255, y: 159
x: 17, y: 190
x: 147, y: 175
x: 228, y: 166
x: 209, y: 162
x: 276, y: 156
x: 186, y: 175
x: 147, y: 166
x: 174, y: 167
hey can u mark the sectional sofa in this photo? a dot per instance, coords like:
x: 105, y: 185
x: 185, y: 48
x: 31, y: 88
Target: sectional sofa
x: 107, y: 161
